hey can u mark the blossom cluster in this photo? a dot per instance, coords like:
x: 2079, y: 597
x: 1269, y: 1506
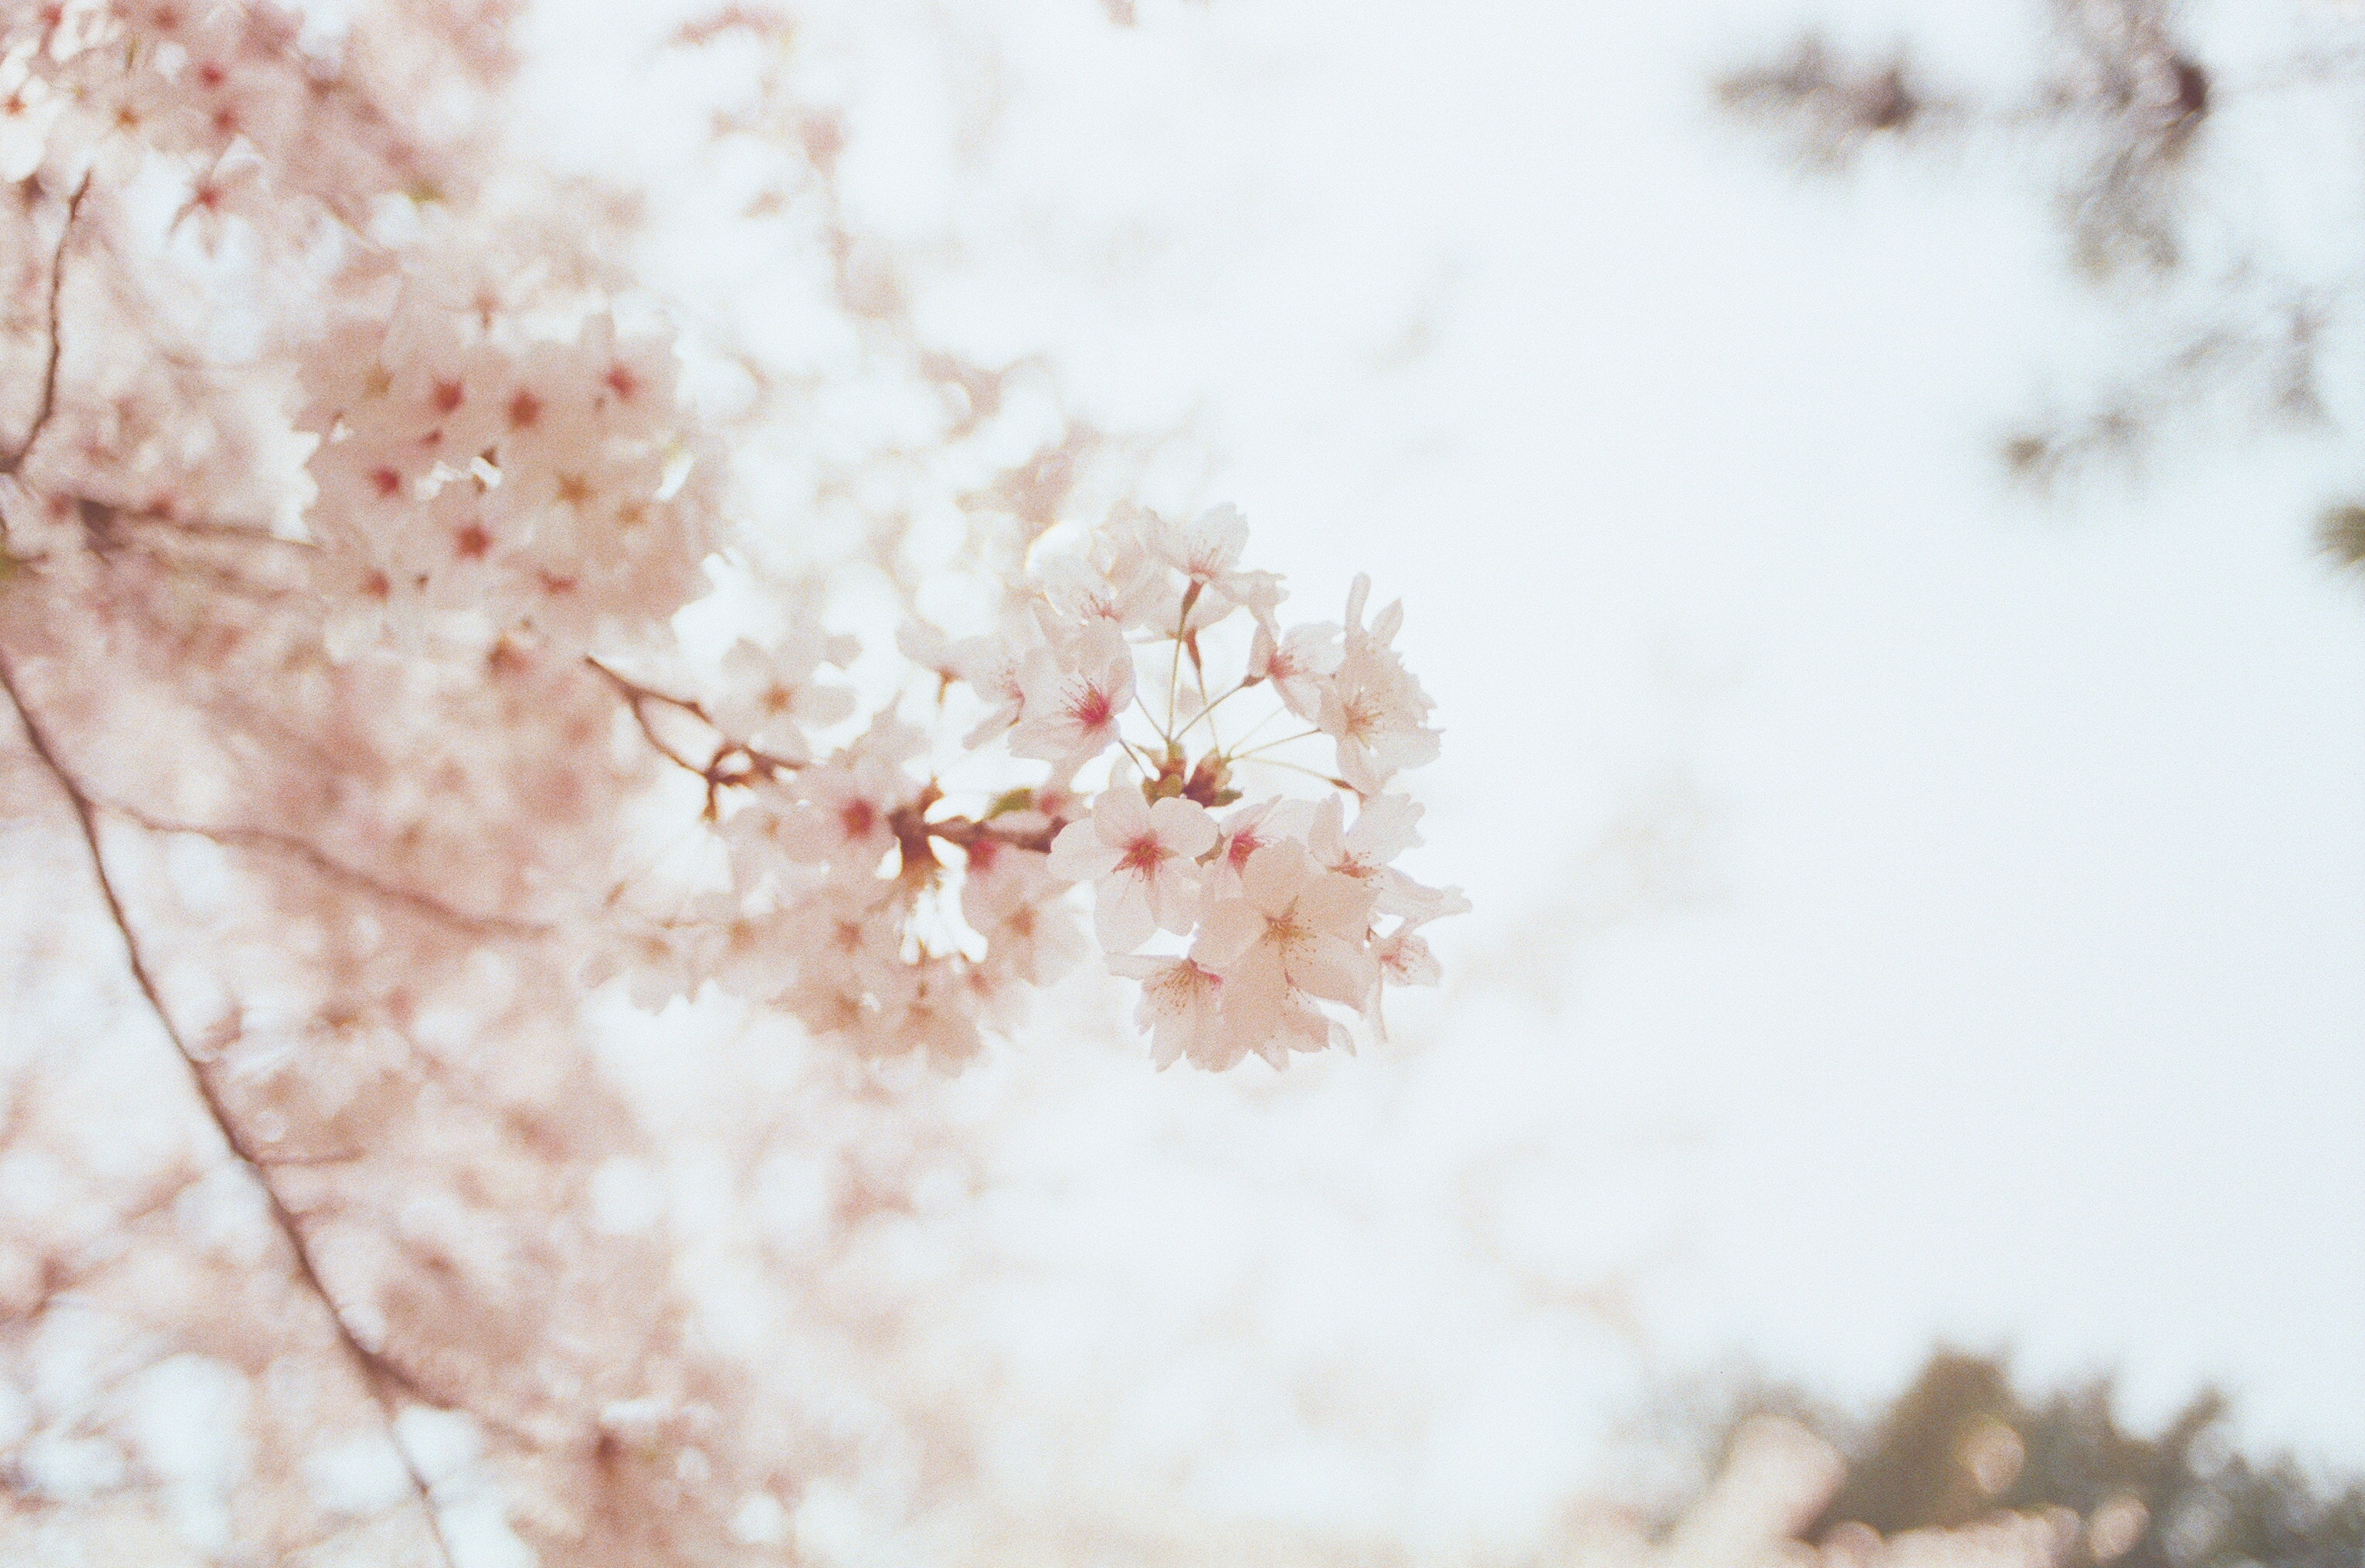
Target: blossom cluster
x: 492, y: 454
x: 356, y: 532
x: 500, y: 470
x: 228, y: 94
x: 471, y: 469
x: 865, y: 901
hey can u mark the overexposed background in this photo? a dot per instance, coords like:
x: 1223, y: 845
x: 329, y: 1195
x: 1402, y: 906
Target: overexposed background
x: 1905, y: 908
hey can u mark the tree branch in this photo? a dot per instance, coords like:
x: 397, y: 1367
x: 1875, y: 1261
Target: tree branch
x: 376, y: 1372
x: 733, y: 762
x: 48, y: 403
x: 169, y: 525
x: 312, y: 854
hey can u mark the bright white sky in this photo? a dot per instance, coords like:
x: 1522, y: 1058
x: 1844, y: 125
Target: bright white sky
x: 2010, y: 981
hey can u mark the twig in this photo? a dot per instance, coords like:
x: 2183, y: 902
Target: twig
x: 61, y: 1278
x: 312, y: 854
x: 376, y: 1371
x: 912, y: 827
x: 48, y: 403
x: 735, y: 762
x: 207, y: 528
x: 965, y: 832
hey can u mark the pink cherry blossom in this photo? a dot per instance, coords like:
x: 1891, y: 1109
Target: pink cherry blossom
x: 1296, y: 935
x: 1179, y: 1007
x: 1382, y: 831
x: 1207, y: 553
x: 1010, y: 897
x: 844, y: 809
x: 1140, y: 858
x: 1074, y: 699
x: 1296, y: 663
x: 1244, y: 832
x: 1372, y: 707
x: 396, y: 650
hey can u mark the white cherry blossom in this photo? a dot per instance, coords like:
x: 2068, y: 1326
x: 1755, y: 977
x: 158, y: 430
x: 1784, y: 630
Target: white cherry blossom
x: 930, y: 652
x: 993, y: 667
x: 1130, y: 593
x: 1382, y: 830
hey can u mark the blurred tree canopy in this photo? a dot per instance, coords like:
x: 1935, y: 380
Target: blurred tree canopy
x: 1961, y: 1442
x: 2165, y: 163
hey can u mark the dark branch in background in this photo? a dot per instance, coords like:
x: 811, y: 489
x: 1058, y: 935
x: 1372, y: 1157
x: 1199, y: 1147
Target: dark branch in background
x: 376, y: 1372
x: 49, y: 402
x: 2341, y: 533
x: 2122, y: 110
x: 1827, y: 107
x: 2113, y: 128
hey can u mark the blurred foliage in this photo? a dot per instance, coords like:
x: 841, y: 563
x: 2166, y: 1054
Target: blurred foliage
x: 1827, y: 107
x: 2233, y: 310
x: 2118, y: 106
x: 1961, y: 1443
x: 2342, y: 530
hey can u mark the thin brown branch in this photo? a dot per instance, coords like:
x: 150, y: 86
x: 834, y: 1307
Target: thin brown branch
x: 289, y: 1556
x: 635, y: 692
x: 375, y: 1372
x: 312, y: 854
x: 48, y: 403
x: 206, y: 528
x: 637, y: 698
x: 966, y: 832
x: 734, y: 761
x: 62, y: 1276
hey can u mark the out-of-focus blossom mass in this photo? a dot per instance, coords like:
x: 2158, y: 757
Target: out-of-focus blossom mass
x: 599, y: 751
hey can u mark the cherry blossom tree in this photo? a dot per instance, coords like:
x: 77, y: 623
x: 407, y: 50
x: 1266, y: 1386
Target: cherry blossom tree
x: 402, y: 666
